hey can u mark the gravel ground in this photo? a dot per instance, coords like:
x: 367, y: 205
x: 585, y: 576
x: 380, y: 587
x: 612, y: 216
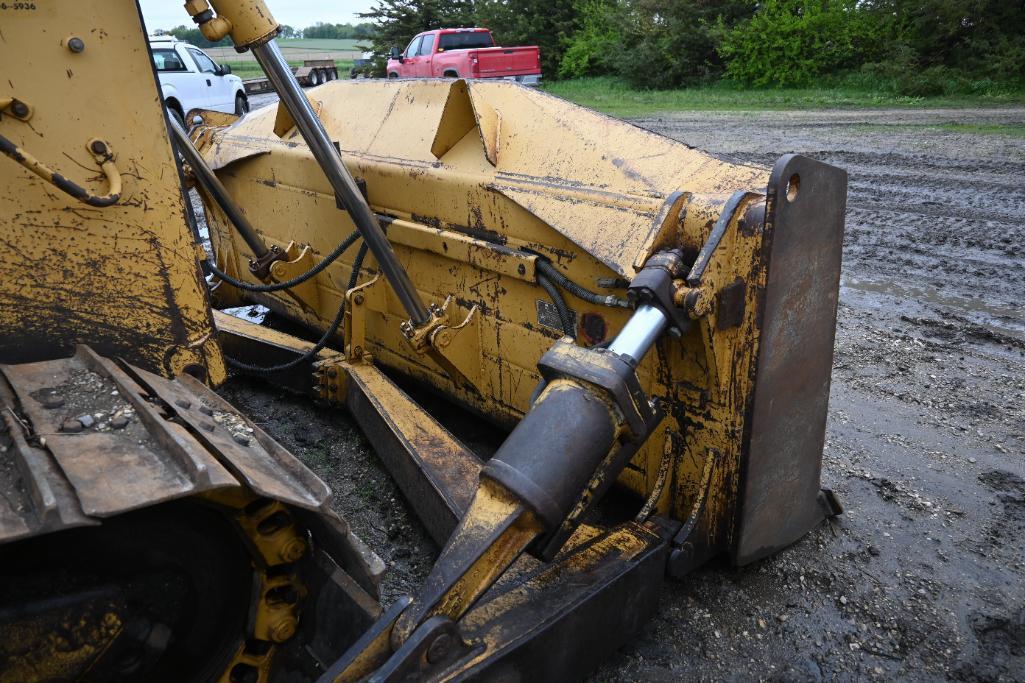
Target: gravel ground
x: 923, y: 577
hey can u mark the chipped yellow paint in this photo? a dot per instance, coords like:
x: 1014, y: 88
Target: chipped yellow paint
x: 479, y: 180
x: 122, y: 278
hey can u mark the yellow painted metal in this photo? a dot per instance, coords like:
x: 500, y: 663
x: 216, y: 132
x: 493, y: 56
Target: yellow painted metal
x: 248, y: 22
x: 123, y: 278
x: 479, y: 180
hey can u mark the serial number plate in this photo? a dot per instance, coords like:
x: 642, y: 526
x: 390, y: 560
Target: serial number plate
x: 548, y: 316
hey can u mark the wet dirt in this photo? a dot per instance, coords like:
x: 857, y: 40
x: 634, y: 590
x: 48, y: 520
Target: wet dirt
x: 923, y: 577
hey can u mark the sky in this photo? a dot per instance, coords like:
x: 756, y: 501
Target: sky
x: 166, y: 14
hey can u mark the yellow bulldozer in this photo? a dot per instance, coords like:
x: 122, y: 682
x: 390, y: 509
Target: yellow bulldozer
x: 640, y: 318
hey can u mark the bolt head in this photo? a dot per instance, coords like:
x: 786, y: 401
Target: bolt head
x: 19, y: 108
x: 440, y: 648
x: 283, y: 630
x: 76, y: 44
x: 98, y: 147
x: 292, y: 550
x: 358, y: 299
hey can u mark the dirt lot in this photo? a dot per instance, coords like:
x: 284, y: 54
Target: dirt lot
x: 923, y: 578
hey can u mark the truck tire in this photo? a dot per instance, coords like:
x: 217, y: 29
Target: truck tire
x: 241, y: 104
x: 393, y: 75
x: 175, y: 110
x: 450, y: 74
x: 330, y: 74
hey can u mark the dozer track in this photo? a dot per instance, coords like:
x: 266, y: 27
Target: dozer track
x: 149, y: 531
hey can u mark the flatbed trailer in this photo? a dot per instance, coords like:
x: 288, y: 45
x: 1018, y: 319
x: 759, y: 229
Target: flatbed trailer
x: 312, y: 72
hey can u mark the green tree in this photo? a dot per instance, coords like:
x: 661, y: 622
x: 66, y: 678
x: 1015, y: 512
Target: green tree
x: 983, y: 38
x: 672, y: 44
x: 795, y: 42
x: 549, y: 24
x: 597, y: 45
x: 395, y: 22
x: 191, y: 34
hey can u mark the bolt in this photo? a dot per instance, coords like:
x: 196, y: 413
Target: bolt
x: 292, y: 550
x: 283, y: 630
x: 19, y: 109
x: 440, y: 648
x: 98, y: 147
x: 332, y: 372
x: 521, y: 269
x: 76, y: 44
x: 358, y: 298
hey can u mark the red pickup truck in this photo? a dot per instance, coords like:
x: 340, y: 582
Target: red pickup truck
x: 464, y: 53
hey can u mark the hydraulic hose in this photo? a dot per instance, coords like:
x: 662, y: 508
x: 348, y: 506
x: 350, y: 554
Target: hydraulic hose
x: 552, y: 273
x: 565, y: 317
x: 287, y: 284
x: 322, y: 342
x: 328, y: 157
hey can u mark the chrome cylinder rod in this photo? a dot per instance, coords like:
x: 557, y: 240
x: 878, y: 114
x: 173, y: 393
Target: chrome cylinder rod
x: 212, y: 184
x: 312, y: 131
x: 640, y: 333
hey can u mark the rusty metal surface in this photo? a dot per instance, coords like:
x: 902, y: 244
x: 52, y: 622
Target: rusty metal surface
x: 437, y: 474
x: 87, y: 438
x: 464, y: 238
x: 125, y: 277
x: 112, y: 469
x: 556, y: 622
x: 599, y: 182
x: 779, y: 490
x: 241, y: 446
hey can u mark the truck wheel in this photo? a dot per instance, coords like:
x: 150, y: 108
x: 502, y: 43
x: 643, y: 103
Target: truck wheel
x: 241, y: 104
x: 330, y: 75
x: 393, y: 75
x: 313, y: 78
x: 178, y: 116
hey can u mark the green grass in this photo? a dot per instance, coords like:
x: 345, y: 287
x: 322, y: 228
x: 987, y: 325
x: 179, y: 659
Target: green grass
x: 246, y: 70
x: 322, y: 43
x: 615, y: 97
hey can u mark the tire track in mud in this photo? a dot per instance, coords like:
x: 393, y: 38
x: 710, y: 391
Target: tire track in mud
x: 921, y: 579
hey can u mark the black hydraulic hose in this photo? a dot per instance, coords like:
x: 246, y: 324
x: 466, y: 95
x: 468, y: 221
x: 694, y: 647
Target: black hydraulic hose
x: 319, y: 346
x: 287, y: 284
x: 552, y: 273
x: 565, y: 317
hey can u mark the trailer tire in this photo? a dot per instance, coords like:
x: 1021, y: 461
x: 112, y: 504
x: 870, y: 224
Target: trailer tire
x: 330, y: 75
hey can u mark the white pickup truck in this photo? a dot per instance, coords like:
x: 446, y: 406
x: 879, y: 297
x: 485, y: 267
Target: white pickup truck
x: 189, y: 79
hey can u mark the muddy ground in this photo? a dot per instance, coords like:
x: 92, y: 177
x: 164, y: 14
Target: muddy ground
x: 923, y: 577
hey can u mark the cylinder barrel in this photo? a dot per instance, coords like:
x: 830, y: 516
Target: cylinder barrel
x: 551, y: 455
